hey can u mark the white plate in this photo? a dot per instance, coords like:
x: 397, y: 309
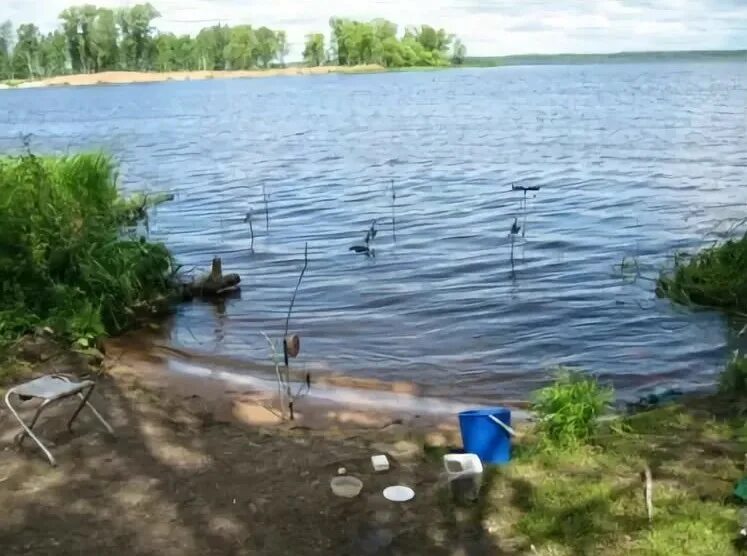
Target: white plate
x: 399, y: 493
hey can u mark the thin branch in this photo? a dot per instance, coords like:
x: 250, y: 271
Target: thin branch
x: 267, y: 208
x: 298, y: 284
x: 394, y: 199
x: 251, y: 228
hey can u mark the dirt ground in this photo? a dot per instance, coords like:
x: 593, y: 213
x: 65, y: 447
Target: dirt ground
x: 179, y: 480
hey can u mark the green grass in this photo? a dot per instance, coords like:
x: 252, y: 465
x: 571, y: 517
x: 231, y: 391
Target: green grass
x: 733, y: 381
x: 65, y: 261
x: 567, y: 410
x: 589, y: 500
x: 714, y: 277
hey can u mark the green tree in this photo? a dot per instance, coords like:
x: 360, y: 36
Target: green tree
x: 6, y: 50
x: 210, y: 46
x: 54, y: 54
x: 166, y: 44
x: 27, y: 50
x: 267, y: 46
x: 240, y: 52
x: 103, y: 40
x: 458, y: 52
x: 283, y: 47
x: 70, y: 27
x: 137, y: 46
x: 313, y: 53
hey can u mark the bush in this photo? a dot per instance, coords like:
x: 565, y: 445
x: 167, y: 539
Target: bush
x: 714, y: 277
x: 733, y: 379
x: 568, y: 409
x: 64, y: 262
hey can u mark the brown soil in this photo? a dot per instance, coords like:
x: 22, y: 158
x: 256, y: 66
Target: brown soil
x: 119, y: 77
x: 182, y: 478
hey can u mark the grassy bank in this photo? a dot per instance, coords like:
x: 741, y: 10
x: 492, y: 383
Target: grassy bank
x: 65, y: 264
x: 587, y: 497
x: 713, y: 277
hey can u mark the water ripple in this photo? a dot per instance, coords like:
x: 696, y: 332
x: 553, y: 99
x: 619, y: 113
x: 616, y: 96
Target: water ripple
x: 633, y: 161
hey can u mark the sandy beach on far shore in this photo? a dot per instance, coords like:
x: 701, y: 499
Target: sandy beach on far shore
x: 124, y: 77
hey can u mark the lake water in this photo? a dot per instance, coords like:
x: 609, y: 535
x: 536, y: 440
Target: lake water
x: 632, y: 161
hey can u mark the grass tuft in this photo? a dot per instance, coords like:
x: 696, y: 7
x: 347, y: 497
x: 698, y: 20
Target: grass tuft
x: 568, y: 409
x: 714, y: 277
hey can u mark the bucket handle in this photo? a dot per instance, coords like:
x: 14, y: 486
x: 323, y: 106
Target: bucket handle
x: 504, y: 426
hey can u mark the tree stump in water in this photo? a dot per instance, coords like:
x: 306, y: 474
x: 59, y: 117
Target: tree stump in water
x: 216, y: 283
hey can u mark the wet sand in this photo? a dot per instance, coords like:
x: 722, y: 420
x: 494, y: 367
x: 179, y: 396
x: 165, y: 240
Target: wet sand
x: 124, y: 77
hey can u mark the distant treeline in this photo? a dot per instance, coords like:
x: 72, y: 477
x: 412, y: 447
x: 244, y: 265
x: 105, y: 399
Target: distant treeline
x: 92, y: 39
x: 620, y: 57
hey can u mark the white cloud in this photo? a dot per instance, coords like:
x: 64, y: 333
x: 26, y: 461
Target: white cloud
x: 488, y: 27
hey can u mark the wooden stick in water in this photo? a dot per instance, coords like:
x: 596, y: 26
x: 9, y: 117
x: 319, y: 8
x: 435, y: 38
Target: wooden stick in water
x: 394, y: 198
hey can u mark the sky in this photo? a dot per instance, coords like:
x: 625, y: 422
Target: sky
x: 487, y: 27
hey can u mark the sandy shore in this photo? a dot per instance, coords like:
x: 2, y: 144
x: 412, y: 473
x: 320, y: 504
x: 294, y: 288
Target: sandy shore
x: 123, y: 77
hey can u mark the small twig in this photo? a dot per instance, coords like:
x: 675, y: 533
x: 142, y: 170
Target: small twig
x: 292, y: 398
x: 267, y: 208
x: 298, y: 284
x: 394, y: 199
x: 649, y: 492
x: 251, y: 228
x: 276, y: 363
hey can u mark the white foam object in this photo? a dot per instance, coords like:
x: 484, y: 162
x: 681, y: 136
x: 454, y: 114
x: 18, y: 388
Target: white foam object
x: 399, y: 493
x: 380, y: 462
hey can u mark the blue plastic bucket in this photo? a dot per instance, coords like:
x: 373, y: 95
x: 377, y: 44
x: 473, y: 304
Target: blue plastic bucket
x: 484, y: 437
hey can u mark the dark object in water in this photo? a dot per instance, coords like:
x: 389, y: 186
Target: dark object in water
x: 656, y: 398
x: 515, y: 228
x: 363, y: 249
x: 525, y: 188
x: 367, y: 249
x: 215, y: 284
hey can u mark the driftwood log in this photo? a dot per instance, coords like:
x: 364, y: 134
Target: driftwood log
x: 215, y: 284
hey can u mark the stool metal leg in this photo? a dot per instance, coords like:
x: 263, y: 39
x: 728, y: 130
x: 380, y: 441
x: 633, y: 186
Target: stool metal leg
x: 84, y: 401
x: 84, y: 398
x: 27, y: 430
x: 23, y: 434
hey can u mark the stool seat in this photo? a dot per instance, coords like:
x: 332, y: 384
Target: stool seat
x: 50, y: 387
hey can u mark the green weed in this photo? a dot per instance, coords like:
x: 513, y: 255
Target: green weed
x: 568, y: 409
x: 64, y: 262
x: 714, y: 277
x: 733, y: 379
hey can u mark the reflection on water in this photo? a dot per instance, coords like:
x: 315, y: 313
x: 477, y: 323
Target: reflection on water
x: 632, y: 160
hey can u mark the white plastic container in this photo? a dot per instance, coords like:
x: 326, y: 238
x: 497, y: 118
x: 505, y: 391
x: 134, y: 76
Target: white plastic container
x: 346, y: 486
x: 464, y: 472
x: 380, y: 462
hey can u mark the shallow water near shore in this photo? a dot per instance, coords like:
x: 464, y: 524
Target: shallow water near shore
x: 633, y: 161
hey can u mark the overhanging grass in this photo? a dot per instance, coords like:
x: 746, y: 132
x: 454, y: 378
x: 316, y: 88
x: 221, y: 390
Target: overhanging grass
x: 590, y: 500
x: 714, y: 277
x: 64, y: 261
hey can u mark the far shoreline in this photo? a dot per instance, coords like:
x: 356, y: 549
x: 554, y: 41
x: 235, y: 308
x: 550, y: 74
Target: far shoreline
x: 131, y: 77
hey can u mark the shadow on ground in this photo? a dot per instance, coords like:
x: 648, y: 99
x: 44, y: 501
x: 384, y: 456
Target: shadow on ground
x: 175, y: 481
